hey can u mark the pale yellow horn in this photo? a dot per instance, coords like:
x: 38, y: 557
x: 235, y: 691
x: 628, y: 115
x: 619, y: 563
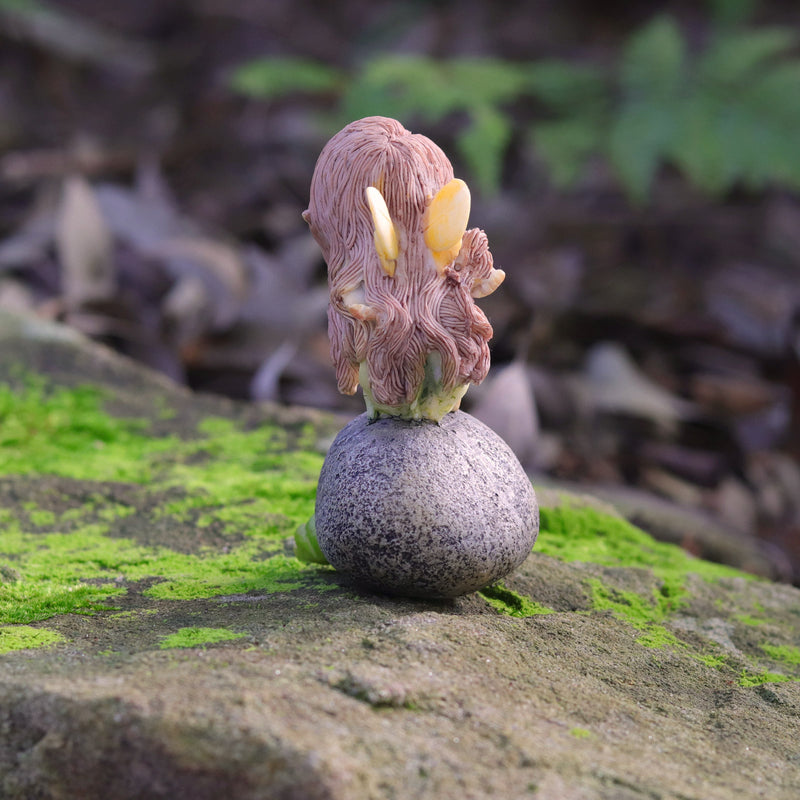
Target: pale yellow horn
x: 488, y: 285
x: 385, y: 234
x: 446, y: 221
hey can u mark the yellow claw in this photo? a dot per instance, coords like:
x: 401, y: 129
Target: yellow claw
x: 386, y: 242
x: 446, y: 221
x: 488, y: 285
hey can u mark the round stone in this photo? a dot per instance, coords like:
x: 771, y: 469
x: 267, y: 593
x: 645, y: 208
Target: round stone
x: 424, y: 509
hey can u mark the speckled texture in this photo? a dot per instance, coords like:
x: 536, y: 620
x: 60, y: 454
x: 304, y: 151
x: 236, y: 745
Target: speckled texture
x: 424, y: 509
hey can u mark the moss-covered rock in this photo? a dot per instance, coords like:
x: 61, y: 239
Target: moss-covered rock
x: 158, y: 638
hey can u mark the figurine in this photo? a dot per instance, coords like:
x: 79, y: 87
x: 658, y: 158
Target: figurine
x: 403, y: 270
x: 415, y: 497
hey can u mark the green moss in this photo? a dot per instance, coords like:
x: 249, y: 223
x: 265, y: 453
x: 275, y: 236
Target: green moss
x: 80, y: 572
x: 248, y: 481
x: 251, y: 490
x: 240, y: 477
x: 747, y: 678
x: 24, y: 637
x: 41, y: 517
x: 133, y: 614
x: 644, y: 613
x: 585, y: 534
x: 657, y: 636
x: 580, y: 733
x: 193, y: 578
x: 65, y: 432
x: 245, y: 483
x: 746, y: 619
x: 29, y: 602
x: 194, y: 637
x: 637, y: 609
x: 649, y: 613
x: 786, y: 654
x: 509, y: 602
x: 715, y: 661
x: 163, y: 410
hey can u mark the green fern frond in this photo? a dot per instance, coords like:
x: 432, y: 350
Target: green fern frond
x: 725, y: 116
x: 653, y: 62
x: 736, y: 56
x: 269, y: 78
x: 565, y: 145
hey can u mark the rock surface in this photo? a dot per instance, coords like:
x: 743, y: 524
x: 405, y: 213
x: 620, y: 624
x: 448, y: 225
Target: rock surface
x: 158, y: 639
x: 424, y: 509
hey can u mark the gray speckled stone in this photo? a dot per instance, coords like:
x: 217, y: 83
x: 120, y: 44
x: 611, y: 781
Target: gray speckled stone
x: 424, y: 509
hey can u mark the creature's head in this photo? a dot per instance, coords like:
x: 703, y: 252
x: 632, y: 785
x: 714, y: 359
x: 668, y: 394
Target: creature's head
x: 402, y: 269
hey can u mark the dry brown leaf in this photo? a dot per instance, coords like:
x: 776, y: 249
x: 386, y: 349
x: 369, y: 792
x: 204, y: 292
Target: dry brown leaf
x: 84, y: 246
x: 754, y: 304
x: 218, y: 266
x: 186, y: 309
x: 265, y: 383
x: 506, y: 404
x: 613, y: 383
x: 74, y: 37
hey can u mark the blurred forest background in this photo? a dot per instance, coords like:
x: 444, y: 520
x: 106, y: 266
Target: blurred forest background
x: 636, y: 167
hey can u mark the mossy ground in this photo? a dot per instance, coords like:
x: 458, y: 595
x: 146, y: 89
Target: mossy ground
x: 24, y: 637
x: 136, y: 508
x: 197, y: 637
x: 235, y: 495
x: 672, y: 582
x: 512, y: 603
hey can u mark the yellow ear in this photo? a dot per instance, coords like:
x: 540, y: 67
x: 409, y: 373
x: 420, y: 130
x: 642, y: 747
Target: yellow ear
x: 446, y: 221
x: 385, y: 234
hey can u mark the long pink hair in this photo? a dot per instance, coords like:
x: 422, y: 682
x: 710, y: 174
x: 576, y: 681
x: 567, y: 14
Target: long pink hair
x: 400, y: 320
